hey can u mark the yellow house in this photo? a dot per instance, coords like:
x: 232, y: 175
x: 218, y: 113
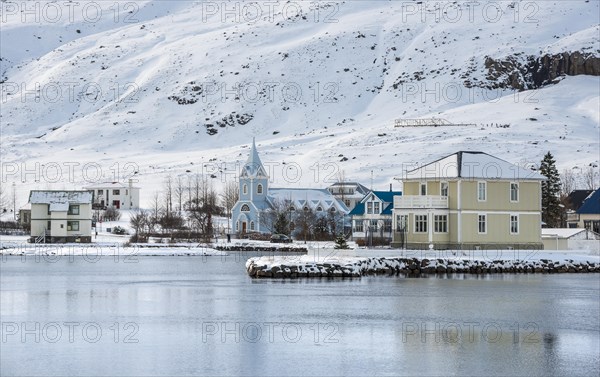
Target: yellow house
x: 61, y: 216
x: 469, y: 200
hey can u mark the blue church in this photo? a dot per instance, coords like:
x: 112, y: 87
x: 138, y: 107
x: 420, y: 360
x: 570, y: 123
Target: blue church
x: 256, y: 197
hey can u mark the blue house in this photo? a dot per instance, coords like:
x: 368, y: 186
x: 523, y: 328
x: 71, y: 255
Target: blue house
x: 256, y: 198
x: 588, y: 215
x: 372, y: 216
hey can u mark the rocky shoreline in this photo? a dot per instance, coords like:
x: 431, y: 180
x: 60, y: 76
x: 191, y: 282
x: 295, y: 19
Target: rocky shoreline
x: 357, y: 267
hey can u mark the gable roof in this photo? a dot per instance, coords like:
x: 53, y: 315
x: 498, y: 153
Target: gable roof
x: 359, y: 187
x: 384, y: 196
x: 474, y: 165
x: 576, y: 198
x: 313, y: 198
x: 59, y: 200
x: 591, y: 205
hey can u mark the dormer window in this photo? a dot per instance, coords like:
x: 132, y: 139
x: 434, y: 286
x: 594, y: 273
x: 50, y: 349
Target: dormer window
x: 376, y: 207
x: 319, y: 209
x: 369, y: 208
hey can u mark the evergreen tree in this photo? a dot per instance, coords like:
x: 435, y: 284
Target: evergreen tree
x: 340, y: 242
x: 551, y: 210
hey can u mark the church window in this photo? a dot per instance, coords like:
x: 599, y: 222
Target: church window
x: 251, y: 225
x: 245, y: 208
x: 245, y: 189
x: 319, y: 209
x: 259, y: 189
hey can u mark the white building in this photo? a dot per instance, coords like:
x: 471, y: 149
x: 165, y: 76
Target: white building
x: 61, y: 216
x: 115, y: 194
x: 349, y: 193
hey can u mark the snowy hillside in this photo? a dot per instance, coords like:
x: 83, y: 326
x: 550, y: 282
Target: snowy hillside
x: 163, y: 87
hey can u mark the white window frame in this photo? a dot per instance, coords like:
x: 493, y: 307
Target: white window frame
x: 369, y: 208
x: 404, y: 221
x: 442, y: 188
x: 252, y: 226
x: 259, y: 189
x: 73, y: 209
x: 484, y: 191
x: 376, y: 208
x: 510, y: 223
x: 485, y: 227
x: 421, y: 185
x: 417, y: 219
x: 510, y: 192
x: 437, y: 219
x: 245, y: 206
x: 245, y: 189
x: 358, y: 226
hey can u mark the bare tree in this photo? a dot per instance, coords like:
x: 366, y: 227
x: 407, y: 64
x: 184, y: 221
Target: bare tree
x: 304, y: 222
x: 155, y: 211
x: 229, y: 197
x: 139, y: 221
x: 567, y: 180
x: 168, y: 195
x: 112, y: 214
x: 277, y: 218
x: 179, y: 193
x: 3, y: 200
x: 590, y: 178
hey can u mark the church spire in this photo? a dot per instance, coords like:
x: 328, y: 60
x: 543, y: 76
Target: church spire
x: 253, y: 166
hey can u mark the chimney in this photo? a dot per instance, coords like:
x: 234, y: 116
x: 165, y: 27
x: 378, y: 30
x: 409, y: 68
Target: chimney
x: 390, y: 187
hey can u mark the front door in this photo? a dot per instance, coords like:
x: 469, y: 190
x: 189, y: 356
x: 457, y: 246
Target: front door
x: 117, y: 204
x: 243, y: 227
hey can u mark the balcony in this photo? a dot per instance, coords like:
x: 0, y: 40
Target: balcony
x: 421, y: 201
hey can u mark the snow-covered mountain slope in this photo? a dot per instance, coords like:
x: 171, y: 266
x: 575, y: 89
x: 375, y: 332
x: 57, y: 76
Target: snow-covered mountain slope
x: 167, y: 87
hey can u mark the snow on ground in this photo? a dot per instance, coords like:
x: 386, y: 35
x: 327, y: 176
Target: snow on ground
x: 123, y: 115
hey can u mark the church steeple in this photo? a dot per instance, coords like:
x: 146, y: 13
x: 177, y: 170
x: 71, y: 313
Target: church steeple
x: 253, y: 168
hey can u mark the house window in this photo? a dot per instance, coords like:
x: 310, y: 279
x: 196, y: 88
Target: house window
x: 420, y: 223
x: 259, y: 189
x: 423, y: 188
x: 358, y: 225
x: 440, y: 223
x: 116, y: 192
x: 402, y: 223
x: 387, y: 224
x: 292, y: 209
x: 481, y: 191
x: 376, y: 207
x: 251, y: 225
x: 369, y: 208
x: 347, y: 202
x: 245, y: 208
x: 444, y: 189
x: 245, y: 189
x: 126, y: 192
x: 514, y: 192
x: 482, y: 224
x: 74, y: 209
x: 72, y: 226
x: 514, y: 224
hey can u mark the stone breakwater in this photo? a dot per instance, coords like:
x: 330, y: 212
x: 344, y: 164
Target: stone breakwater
x: 357, y: 267
x: 261, y: 248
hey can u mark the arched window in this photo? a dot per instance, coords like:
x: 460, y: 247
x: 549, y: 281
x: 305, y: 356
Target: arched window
x: 245, y: 189
x: 259, y: 189
x: 319, y: 209
x: 245, y: 208
x: 251, y: 225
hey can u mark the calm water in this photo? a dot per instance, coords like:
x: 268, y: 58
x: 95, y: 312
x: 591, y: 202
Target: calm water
x: 205, y: 316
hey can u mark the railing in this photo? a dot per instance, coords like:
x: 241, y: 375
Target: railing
x: 420, y: 201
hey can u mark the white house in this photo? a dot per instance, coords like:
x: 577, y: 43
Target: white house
x: 115, y: 194
x: 372, y: 217
x: 61, y: 216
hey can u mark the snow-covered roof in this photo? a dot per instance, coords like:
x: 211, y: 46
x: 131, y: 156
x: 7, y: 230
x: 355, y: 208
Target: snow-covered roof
x: 313, y: 198
x: 472, y: 165
x: 591, y: 204
x: 60, y: 200
x: 561, y: 232
x: 26, y: 206
x: 108, y: 185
